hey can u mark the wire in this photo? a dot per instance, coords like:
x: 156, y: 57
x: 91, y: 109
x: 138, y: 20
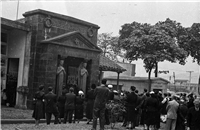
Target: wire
x: 17, y: 9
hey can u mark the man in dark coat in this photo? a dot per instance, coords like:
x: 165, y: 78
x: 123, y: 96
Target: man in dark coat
x: 101, y: 96
x: 131, y: 100
x: 181, y: 115
x: 51, y: 106
x: 69, y: 105
x: 110, y: 98
x: 193, y: 118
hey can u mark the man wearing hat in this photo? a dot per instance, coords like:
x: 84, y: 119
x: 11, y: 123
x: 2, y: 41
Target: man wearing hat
x: 193, y: 118
x: 51, y: 106
x: 70, y: 103
x: 172, y: 108
x: 110, y: 98
x: 101, y: 96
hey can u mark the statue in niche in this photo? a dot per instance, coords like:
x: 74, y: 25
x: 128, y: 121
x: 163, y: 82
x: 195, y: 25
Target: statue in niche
x: 61, y: 76
x: 82, y: 76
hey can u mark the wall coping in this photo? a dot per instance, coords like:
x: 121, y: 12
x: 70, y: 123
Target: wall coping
x: 60, y: 16
x: 14, y: 24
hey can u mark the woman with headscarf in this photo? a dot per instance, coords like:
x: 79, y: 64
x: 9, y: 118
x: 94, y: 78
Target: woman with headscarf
x: 79, y: 106
x: 151, y: 105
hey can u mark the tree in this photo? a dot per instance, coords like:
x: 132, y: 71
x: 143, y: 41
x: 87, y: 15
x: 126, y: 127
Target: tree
x: 152, y: 43
x: 109, y: 46
x: 192, y: 43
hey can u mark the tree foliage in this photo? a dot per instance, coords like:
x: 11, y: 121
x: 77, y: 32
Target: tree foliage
x: 109, y: 45
x: 153, y: 43
x: 193, y: 42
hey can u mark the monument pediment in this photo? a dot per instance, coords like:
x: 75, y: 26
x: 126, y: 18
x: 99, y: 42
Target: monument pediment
x: 72, y: 39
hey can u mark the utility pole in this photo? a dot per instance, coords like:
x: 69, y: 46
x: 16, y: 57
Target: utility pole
x: 174, y: 81
x: 17, y: 9
x: 190, y: 75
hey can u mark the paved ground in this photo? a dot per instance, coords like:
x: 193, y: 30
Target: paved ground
x: 12, y: 119
x: 77, y: 126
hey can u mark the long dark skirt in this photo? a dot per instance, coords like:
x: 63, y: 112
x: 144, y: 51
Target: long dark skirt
x: 150, y: 118
x: 89, y: 109
x: 79, y: 112
x: 142, y: 117
x: 39, y: 112
x: 61, y: 109
x: 131, y: 114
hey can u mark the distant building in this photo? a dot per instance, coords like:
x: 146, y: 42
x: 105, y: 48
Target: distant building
x: 181, y: 81
x: 158, y: 84
x: 184, y: 87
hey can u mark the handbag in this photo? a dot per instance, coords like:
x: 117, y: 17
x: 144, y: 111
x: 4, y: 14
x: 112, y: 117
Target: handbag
x: 163, y: 118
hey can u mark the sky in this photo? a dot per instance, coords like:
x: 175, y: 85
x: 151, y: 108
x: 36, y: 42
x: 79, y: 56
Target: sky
x: 111, y: 15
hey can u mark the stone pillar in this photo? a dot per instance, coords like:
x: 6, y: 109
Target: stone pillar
x: 23, y: 90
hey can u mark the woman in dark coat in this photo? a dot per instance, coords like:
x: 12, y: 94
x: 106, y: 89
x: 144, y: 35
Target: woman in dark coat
x: 90, y: 103
x: 39, y: 111
x: 181, y: 116
x: 61, y: 105
x: 79, y: 106
x: 131, y: 103
x: 151, y: 105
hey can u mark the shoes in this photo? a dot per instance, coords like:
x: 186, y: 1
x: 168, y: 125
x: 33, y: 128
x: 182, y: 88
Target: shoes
x: 123, y: 125
x: 107, y: 123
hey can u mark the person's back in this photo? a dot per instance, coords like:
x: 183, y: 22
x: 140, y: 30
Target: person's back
x: 50, y: 102
x: 101, y: 96
x: 70, y: 101
x: 172, y: 108
x: 69, y: 105
x: 51, y: 106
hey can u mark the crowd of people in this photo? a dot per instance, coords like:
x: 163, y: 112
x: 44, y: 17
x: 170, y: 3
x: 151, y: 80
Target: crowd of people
x: 146, y: 109
x: 149, y: 109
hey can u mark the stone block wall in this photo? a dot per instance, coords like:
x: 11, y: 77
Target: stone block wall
x: 43, y: 58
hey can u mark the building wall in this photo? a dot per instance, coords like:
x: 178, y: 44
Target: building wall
x: 39, y: 67
x: 4, y: 56
x: 16, y: 47
x: 190, y: 88
x: 59, y: 26
x: 140, y: 85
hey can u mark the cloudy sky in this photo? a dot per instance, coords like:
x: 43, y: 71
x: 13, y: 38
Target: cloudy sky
x: 111, y: 15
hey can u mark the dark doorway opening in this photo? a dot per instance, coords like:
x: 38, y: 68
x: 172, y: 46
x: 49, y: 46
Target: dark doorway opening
x: 11, y: 80
x: 71, y: 65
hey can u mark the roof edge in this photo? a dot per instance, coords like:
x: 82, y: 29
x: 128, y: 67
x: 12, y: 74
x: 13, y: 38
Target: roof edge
x: 15, y: 24
x: 60, y: 16
x: 51, y: 41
